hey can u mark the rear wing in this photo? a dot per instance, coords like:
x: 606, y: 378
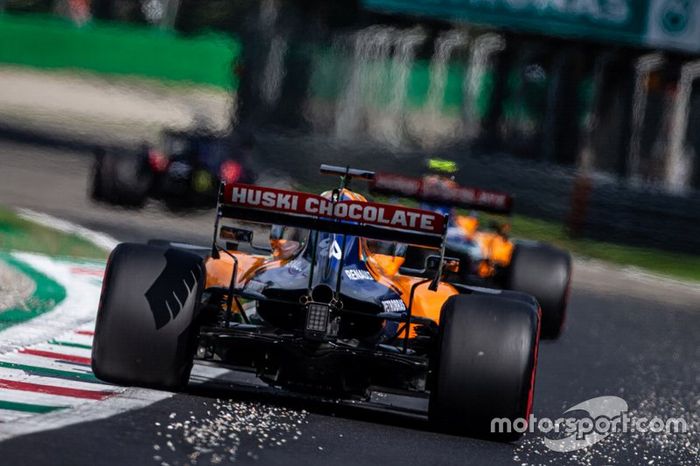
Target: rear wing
x: 455, y: 196
x: 380, y: 221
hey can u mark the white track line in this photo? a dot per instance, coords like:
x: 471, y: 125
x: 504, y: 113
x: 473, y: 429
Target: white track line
x: 101, y: 240
x: 69, y: 350
x: 20, y: 396
x: 78, y: 308
x: 7, y: 415
x: 76, y: 312
x: 635, y: 273
x: 21, y: 376
x: 130, y: 399
x: 73, y: 337
x: 44, y: 363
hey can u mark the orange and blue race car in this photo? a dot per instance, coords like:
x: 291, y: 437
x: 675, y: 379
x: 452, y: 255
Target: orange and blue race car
x: 489, y: 257
x: 327, y: 308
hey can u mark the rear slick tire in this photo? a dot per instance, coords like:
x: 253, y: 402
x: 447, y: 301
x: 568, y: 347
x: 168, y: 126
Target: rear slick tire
x: 146, y: 328
x: 485, y: 364
x: 120, y: 180
x: 544, y: 272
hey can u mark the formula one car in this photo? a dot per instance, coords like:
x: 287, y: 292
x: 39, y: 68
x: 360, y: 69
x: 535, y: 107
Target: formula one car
x: 489, y: 258
x: 328, y: 310
x: 184, y: 171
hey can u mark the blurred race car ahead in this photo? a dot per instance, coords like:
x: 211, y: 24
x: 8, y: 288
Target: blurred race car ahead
x: 489, y: 258
x: 184, y: 171
x: 328, y: 310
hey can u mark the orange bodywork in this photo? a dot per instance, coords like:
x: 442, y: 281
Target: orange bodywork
x: 495, y: 247
x: 219, y: 271
x: 383, y: 268
x: 426, y: 303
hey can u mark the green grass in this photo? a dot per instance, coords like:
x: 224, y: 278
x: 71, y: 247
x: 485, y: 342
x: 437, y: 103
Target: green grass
x: 683, y: 266
x: 120, y: 49
x: 17, y: 234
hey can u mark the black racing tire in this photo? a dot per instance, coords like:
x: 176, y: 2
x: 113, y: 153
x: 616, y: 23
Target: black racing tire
x: 123, y: 180
x: 484, y: 366
x: 544, y: 272
x: 146, y: 329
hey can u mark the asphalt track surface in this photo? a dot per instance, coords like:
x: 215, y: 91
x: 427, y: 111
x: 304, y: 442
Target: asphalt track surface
x: 636, y: 338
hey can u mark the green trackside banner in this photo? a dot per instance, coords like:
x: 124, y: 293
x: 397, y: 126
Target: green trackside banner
x: 664, y: 24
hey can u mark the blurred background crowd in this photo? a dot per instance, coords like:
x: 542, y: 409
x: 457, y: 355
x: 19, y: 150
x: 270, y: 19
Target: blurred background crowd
x: 586, y: 110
